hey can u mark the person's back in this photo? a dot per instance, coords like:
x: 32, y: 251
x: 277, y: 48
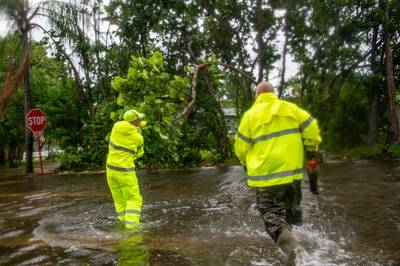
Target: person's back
x: 124, y: 146
x: 275, y: 155
x: 269, y: 143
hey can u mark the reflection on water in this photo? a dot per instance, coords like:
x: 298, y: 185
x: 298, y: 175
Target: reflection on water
x: 200, y: 217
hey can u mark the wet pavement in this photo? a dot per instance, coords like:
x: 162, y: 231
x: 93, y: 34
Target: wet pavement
x: 201, y: 216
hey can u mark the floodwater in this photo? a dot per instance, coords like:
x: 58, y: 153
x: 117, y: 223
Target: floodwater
x: 200, y: 217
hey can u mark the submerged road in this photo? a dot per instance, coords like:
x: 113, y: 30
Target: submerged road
x: 201, y: 216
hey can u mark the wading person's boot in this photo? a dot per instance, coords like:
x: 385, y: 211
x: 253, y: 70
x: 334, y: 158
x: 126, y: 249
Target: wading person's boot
x: 288, y: 243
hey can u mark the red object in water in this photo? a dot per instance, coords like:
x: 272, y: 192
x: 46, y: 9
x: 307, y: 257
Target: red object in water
x: 312, y: 164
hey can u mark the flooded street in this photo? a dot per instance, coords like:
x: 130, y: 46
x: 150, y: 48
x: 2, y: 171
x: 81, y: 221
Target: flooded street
x: 200, y: 217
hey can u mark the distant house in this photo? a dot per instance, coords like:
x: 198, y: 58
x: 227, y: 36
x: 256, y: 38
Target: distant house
x: 231, y: 120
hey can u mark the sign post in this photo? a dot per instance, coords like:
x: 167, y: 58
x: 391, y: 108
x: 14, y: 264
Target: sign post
x: 36, y: 121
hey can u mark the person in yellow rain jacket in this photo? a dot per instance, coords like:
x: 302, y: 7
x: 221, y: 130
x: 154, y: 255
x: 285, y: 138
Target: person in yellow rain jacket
x: 125, y: 146
x: 269, y: 144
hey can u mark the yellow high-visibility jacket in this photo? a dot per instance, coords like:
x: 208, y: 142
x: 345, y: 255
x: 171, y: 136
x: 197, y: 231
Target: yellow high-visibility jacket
x: 270, y: 139
x: 126, y: 145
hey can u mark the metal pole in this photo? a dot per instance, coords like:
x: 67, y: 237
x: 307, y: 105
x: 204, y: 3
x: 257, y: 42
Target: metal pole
x: 40, y: 154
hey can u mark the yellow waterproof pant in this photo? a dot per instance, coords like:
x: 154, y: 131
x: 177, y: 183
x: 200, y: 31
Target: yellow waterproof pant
x: 126, y: 195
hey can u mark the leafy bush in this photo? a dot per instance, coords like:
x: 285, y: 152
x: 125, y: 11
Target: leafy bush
x: 394, y: 150
x: 72, y: 159
x: 364, y: 152
x: 148, y: 88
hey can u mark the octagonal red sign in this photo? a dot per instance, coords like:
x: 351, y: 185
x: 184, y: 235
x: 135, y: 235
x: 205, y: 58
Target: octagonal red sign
x: 36, y: 120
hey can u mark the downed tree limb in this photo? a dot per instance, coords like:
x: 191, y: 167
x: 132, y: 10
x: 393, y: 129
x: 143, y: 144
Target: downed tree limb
x: 189, y: 107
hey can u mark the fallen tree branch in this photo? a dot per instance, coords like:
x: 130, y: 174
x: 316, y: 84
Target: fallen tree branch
x: 189, y: 107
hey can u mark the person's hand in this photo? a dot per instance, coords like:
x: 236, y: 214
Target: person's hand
x: 312, y: 164
x: 312, y: 155
x: 313, y: 180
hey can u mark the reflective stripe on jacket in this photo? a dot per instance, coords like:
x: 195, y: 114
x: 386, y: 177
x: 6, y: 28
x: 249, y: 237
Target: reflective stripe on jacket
x: 126, y: 145
x: 270, y: 139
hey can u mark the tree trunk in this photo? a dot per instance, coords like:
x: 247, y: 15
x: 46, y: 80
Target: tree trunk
x: 282, y: 82
x: 373, y: 119
x: 260, y: 42
x: 393, y: 132
x: 2, y: 155
x: 373, y: 113
x: 244, y: 84
x: 28, y: 106
x: 220, y: 131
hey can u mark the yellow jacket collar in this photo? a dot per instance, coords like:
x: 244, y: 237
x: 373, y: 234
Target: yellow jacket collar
x: 125, y: 126
x: 266, y: 97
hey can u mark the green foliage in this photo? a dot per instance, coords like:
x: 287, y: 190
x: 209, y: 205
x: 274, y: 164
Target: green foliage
x: 52, y: 91
x: 198, y: 145
x: 394, y: 150
x: 350, y: 113
x: 148, y: 88
x: 71, y: 159
x: 208, y: 156
x: 12, y: 122
x: 91, y: 149
x: 364, y: 152
x: 331, y: 41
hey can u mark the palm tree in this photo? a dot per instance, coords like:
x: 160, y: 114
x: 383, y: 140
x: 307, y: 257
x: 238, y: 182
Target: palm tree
x: 20, y: 13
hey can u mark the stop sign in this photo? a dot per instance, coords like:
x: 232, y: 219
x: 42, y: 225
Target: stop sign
x: 36, y: 121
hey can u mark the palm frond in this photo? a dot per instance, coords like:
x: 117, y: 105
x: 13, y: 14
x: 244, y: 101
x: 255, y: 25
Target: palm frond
x: 66, y: 19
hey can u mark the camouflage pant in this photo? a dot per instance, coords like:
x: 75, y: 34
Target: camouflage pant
x: 279, y: 207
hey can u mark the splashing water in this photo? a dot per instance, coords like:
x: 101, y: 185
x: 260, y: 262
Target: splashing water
x: 201, y: 217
